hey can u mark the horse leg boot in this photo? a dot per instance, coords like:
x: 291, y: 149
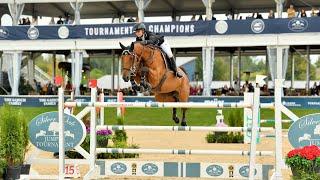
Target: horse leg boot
x: 174, y: 67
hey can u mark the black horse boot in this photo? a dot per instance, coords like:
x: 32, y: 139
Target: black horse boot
x: 173, y: 67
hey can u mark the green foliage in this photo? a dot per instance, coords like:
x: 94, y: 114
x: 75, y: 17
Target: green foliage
x: 235, y: 118
x: 120, y: 135
x: 224, y: 138
x: 13, y: 136
x: 307, y: 176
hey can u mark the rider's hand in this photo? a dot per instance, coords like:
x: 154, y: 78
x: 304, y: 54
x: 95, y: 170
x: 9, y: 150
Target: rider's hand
x: 144, y: 42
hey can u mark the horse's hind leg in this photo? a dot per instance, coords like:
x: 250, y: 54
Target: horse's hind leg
x: 174, y: 110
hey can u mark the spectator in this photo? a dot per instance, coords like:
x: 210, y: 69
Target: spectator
x: 291, y: 12
x: 213, y: 18
x: 122, y: 19
x: 229, y: 16
x: 200, y: 18
x: 69, y: 86
x: 313, y: 12
x: 318, y: 12
x: 193, y: 18
x: 28, y: 22
x: 130, y: 20
x: 52, y: 21
x: 225, y: 90
x: 34, y: 21
x: 271, y: 14
x: 251, y: 88
x: 259, y: 16
x: 236, y: 88
x: 60, y: 21
x: 303, y: 13
x: 314, y: 90
x: 23, y: 21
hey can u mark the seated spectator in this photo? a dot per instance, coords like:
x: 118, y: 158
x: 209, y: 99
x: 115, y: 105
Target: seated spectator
x: 200, y: 18
x: 68, y: 86
x: 28, y: 22
x: 264, y: 90
x: 60, y: 21
x: 291, y: 12
x: 122, y: 19
x: 229, y: 16
x: 303, y: 13
x: 130, y: 20
x: 193, y: 18
x: 225, y: 90
x: 251, y: 88
x: 52, y: 21
x: 271, y: 14
x: 259, y: 16
x: 314, y: 90
x: 236, y: 88
x: 313, y: 12
x: 213, y: 18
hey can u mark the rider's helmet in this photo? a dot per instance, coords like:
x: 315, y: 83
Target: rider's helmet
x: 139, y: 26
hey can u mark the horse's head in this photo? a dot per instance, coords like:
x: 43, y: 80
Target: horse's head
x: 131, y: 58
x: 128, y: 59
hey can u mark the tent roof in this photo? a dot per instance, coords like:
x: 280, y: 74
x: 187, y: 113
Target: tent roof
x: 115, y: 8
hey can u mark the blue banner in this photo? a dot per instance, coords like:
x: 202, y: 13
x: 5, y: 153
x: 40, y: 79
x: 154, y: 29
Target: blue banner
x: 43, y: 101
x: 190, y: 28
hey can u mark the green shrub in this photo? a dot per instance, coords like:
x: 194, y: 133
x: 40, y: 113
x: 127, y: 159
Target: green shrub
x: 13, y: 135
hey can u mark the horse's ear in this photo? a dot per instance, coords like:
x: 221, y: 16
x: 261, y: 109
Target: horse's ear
x: 122, y: 46
x: 131, y: 47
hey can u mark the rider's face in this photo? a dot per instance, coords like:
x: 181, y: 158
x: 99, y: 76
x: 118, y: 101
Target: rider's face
x: 139, y: 32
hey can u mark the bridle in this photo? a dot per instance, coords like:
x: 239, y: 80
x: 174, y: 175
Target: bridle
x: 136, y: 61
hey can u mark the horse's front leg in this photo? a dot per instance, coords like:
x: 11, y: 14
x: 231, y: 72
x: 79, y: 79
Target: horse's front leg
x: 174, y: 116
x: 134, y: 85
x: 183, y: 120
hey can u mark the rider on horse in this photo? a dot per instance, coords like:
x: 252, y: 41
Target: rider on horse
x: 147, y: 37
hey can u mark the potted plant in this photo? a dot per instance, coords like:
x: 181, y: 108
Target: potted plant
x: 103, y: 137
x: 304, y: 162
x: 12, y: 147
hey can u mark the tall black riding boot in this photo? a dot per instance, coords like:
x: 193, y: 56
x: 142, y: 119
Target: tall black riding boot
x: 174, y: 67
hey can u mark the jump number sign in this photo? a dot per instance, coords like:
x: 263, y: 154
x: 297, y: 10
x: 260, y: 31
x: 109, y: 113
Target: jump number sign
x: 72, y: 170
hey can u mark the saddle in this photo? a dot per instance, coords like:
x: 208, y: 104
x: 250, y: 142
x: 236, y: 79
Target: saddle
x: 164, y: 55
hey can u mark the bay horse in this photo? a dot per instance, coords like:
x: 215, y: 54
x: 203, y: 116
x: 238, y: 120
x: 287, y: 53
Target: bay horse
x: 145, y: 66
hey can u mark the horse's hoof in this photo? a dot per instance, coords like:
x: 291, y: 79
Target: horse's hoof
x: 184, y: 123
x: 176, y: 120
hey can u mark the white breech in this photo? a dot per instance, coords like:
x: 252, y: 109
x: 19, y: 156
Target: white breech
x: 167, y: 49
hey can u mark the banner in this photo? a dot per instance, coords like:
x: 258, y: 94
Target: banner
x: 188, y: 28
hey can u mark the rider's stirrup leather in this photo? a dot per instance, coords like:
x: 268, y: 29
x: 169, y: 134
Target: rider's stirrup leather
x: 174, y: 68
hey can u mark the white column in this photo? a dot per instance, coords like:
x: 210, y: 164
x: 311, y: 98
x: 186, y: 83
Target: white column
x: 76, y: 6
x: 77, y: 59
x: 13, y: 61
x: 239, y: 67
x: 279, y: 7
x: 141, y: 5
x: 292, y: 70
x: 112, y: 71
x: 15, y: 11
x: 208, y: 4
x: 119, y: 73
x: 231, y: 70
x: 30, y: 67
x: 278, y: 121
x: 308, y: 70
x: 208, y: 62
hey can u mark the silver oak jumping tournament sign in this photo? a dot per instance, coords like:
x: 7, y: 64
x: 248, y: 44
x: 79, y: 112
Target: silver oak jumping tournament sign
x: 44, y: 131
x: 305, y: 131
